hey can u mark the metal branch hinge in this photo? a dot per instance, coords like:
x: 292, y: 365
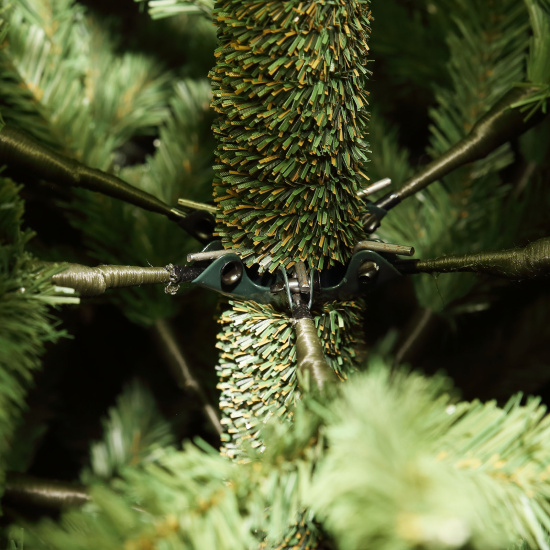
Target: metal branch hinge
x: 224, y: 272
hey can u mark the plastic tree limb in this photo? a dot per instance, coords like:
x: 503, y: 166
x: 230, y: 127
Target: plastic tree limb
x: 310, y: 358
x: 169, y: 346
x: 527, y: 262
x: 500, y: 124
x: 24, y: 491
x: 92, y: 281
x: 21, y: 152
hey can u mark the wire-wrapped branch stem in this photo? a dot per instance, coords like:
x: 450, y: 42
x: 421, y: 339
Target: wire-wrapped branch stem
x: 92, y: 281
x: 310, y: 357
x: 22, y: 153
x: 527, y: 262
x: 500, y: 124
x: 170, y: 348
x: 23, y: 491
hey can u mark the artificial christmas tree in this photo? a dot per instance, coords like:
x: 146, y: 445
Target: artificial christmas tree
x: 384, y: 459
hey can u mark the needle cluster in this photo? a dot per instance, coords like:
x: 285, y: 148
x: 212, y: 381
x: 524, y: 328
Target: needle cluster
x: 290, y: 92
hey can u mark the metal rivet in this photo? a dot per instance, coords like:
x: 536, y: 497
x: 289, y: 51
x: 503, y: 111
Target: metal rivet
x: 367, y: 272
x: 231, y: 273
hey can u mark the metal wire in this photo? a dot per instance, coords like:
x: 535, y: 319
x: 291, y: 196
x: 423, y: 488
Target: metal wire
x: 194, y: 205
x: 374, y: 188
x: 376, y: 246
x: 311, y: 274
x: 285, y: 277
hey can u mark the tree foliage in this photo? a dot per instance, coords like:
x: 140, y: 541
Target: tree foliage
x: 388, y: 459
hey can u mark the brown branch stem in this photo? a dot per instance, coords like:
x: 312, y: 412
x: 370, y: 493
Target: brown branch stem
x: 415, y: 332
x: 24, y: 490
x: 165, y: 337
